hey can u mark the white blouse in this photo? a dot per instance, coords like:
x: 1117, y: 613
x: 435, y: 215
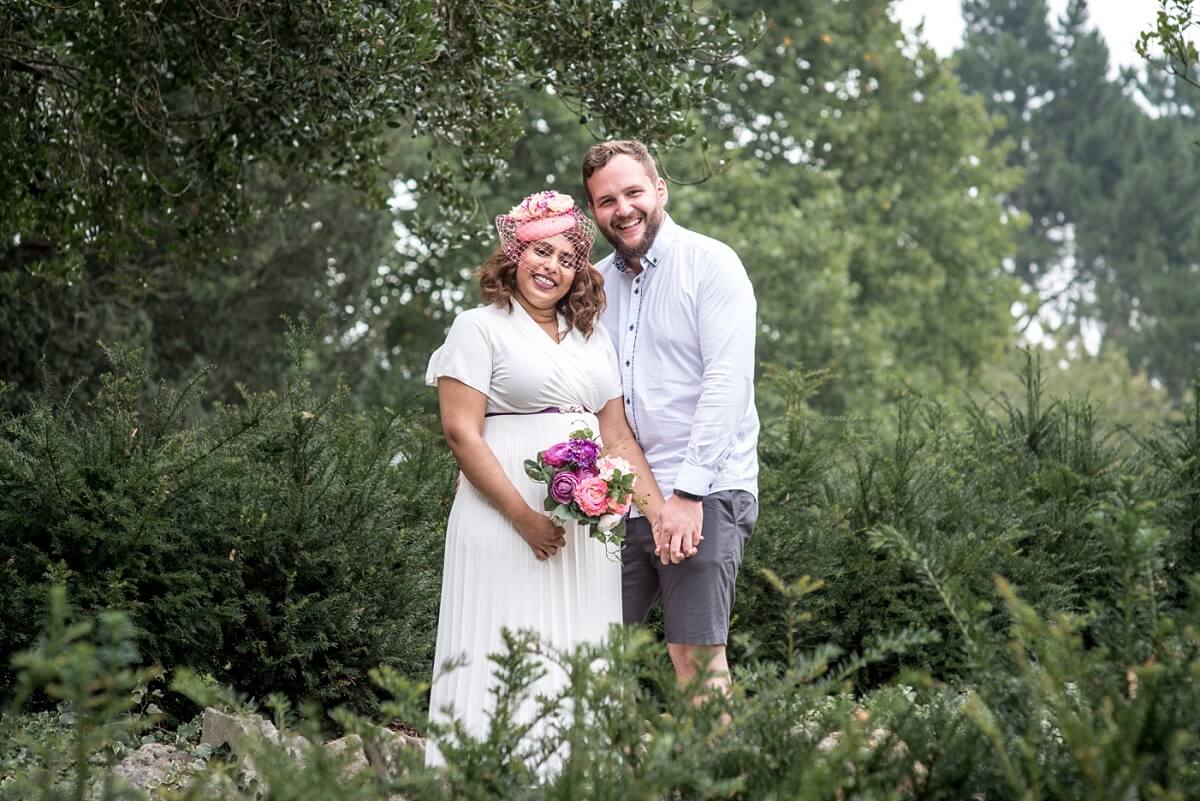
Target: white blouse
x: 510, y: 359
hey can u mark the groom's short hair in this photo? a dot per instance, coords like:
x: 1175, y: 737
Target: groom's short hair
x: 601, y: 153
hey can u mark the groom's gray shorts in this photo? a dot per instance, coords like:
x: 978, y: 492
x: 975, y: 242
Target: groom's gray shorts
x: 697, y: 593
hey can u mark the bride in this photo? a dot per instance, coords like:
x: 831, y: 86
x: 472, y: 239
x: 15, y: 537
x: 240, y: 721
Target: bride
x: 514, y: 377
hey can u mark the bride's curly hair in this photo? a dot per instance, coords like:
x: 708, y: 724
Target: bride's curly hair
x: 581, y: 306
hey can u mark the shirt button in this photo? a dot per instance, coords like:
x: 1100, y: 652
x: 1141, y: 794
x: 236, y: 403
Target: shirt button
x: 635, y: 291
x: 626, y: 364
x: 631, y: 328
x: 627, y: 401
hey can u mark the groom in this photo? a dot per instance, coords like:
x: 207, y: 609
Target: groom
x: 681, y: 312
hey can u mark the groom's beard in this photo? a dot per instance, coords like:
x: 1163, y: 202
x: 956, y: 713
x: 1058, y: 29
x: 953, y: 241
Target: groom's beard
x: 635, y: 251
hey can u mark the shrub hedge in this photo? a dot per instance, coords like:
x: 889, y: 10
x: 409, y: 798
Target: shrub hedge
x: 284, y: 544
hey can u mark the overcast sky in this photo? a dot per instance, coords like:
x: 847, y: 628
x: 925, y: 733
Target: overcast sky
x: 1119, y: 21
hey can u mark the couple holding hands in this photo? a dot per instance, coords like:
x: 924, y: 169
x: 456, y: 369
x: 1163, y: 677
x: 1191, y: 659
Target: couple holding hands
x: 654, y: 348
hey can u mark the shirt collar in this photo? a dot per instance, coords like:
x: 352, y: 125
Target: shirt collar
x: 658, y: 248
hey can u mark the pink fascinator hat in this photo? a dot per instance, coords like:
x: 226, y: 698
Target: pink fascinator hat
x: 541, y: 216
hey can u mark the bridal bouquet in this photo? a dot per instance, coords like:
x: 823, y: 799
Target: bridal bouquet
x: 585, y: 486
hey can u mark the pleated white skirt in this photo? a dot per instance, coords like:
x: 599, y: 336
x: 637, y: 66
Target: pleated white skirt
x: 491, y: 581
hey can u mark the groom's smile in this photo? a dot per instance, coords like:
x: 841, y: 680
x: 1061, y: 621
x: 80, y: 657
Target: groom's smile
x: 631, y: 231
x: 627, y: 203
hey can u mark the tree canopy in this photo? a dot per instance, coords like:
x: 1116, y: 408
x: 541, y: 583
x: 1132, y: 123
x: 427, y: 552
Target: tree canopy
x: 129, y: 121
x: 176, y: 175
x: 1107, y: 183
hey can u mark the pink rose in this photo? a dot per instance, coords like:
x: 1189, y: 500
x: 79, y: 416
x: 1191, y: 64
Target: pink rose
x: 619, y: 506
x: 592, y: 496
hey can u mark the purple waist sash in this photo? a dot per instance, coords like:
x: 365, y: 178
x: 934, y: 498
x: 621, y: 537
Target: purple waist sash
x: 547, y: 410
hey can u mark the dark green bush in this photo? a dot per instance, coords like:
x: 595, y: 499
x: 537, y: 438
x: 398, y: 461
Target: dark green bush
x: 1011, y: 490
x: 1046, y: 714
x: 289, y: 544
x: 285, y: 544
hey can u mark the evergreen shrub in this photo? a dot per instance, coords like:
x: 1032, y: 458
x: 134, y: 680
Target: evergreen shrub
x: 1046, y: 713
x: 284, y: 544
x: 1012, y: 489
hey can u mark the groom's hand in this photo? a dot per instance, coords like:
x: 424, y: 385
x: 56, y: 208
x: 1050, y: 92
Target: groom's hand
x: 678, y: 535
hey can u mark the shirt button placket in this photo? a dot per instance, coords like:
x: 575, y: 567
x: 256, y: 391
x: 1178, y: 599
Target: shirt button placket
x: 635, y: 314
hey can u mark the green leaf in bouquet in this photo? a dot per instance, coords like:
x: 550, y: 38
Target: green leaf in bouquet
x: 535, y: 471
x: 617, y: 535
x: 564, y: 512
x: 549, y: 504
x: 582, y: 433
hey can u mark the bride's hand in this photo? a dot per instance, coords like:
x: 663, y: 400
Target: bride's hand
x: 544, y: 536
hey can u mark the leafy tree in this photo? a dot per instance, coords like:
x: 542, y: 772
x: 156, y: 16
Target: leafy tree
x: 223, y: 311
x: 1105, y: 188
x: 131, y: 115
x: 864, y: 201
x: 1173, y: 33
x: 175, y: 175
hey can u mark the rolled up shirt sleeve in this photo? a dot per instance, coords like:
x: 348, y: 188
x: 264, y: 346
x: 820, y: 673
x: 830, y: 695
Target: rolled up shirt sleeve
x: 726, y: 319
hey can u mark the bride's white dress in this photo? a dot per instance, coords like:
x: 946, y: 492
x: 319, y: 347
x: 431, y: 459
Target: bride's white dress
x: 490, y: 578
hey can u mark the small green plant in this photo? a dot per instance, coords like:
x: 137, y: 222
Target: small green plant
x: 89, y: 670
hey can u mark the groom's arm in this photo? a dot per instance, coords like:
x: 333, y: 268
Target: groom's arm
x: 726, y: 316
x: 726, y: 322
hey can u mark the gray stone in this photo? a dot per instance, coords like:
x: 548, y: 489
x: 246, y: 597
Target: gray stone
x: 241, y: 732
x: 154, y: 764
x: 353, y: 744
x: 385, y: 743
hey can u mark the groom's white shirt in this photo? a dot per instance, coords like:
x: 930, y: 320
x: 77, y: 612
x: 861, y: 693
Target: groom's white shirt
x: 684, y: 332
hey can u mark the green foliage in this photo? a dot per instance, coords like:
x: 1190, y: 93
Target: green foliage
x: 1107, y: 186
x: 1173, y: 34
x: 264, y: 545
x: 177, y: 177
x: 1048, y: 712
x: 261, y: 547
x: 90, y: 668
x: 131, y: 121
x: 951, y: 499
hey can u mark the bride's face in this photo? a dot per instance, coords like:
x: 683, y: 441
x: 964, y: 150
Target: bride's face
x: 546, y: 271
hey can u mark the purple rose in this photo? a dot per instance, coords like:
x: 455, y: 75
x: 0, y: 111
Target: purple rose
x: 557, y: 455
x: 587, y: 472
x: 562, y: 488
x: 584, y: 452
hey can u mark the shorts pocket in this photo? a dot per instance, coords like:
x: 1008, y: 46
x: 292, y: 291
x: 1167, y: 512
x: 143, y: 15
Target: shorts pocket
x: 745, y: 510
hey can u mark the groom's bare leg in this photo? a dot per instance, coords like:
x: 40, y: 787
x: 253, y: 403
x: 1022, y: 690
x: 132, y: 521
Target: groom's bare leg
x: 706, y: 660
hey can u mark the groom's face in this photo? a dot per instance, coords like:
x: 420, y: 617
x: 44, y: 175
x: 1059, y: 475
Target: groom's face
x: 627, y: 204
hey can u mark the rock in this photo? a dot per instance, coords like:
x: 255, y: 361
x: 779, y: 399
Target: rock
x: 240, y: 732
x: 829, y: 742
x: 354, y: 744
x: 154, y: 764
x: 384, y: 743
x: 219, y: 728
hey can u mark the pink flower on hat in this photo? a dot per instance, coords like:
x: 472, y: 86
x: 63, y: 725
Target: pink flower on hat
x: 541, y: 216
x: 541, y: 204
